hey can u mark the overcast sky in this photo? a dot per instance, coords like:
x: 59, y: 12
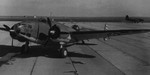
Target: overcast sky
x: 75, y: 7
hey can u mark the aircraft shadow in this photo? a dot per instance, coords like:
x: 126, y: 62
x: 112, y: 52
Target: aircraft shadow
x: 85, y: 44
x: 4, y: 49
x: 34, y: 51
x: 6, y: 52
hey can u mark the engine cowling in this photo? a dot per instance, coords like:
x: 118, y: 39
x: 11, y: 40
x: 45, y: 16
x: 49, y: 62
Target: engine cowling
x: 54, y: 32
x: 76, y: 27
x: 14, y: 34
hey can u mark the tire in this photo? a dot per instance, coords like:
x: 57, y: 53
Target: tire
x: 63, y: 53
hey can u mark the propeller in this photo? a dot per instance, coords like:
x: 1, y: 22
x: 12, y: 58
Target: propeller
x: 54, y: 31
x: 7, y: 28
x: 76, y: 27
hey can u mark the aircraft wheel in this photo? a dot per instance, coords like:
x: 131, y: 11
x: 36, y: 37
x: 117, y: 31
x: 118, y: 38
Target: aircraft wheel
x: 24, y: 49
x: 63, y: 52
x: 105, y: 39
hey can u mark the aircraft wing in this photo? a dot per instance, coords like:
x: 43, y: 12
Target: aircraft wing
x: 85, y: 35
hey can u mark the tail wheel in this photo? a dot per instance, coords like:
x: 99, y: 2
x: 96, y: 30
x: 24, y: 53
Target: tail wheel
x: 63, y: 52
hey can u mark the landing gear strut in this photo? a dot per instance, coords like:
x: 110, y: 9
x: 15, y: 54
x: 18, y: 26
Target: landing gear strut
x: 83, y: 42
x: 25, y: 48
x: 63, y: 51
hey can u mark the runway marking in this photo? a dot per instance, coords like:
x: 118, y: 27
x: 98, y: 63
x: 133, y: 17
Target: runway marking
x: 142, y: 61
x: 75, y: 72
x: 106, y: 60
x: 7, y: 57
x: 33, y: 66
x: 145, y: 36
x: 122, y: 41
x: 127, y: 37
x: 103, y: 58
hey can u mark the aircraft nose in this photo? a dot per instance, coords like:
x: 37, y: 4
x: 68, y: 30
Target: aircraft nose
x: 15, y: 30
x: 20, y: 29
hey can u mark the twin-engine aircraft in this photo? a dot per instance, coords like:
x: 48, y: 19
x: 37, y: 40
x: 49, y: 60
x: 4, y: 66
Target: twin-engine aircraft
x: 134, y: 20
x: 42, y: 31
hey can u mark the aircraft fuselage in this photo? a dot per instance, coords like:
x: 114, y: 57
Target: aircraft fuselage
x: 36, y: 31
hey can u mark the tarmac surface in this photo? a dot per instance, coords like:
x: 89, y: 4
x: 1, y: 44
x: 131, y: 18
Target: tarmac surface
x: 119, y: 55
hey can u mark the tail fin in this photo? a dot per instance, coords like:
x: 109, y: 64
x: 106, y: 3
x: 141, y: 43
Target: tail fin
x: 127, y: 17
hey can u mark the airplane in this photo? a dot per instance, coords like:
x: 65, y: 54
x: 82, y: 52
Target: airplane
x: 42, y: 31
x: 134, y: 20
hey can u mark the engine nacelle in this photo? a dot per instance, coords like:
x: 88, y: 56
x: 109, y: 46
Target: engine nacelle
x: 54, y: 32
x: 15, y: 36
x: 76, y: 27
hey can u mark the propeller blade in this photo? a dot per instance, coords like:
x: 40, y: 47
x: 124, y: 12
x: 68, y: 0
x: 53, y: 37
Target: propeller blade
x: 6, y: 27
x: 49, y: 22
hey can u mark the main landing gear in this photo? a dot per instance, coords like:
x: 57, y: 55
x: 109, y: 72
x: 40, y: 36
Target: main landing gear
x: 63, y: 51
x: 25, y: 48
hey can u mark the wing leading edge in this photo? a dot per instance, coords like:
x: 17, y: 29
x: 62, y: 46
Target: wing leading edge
x: 85, y: 35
